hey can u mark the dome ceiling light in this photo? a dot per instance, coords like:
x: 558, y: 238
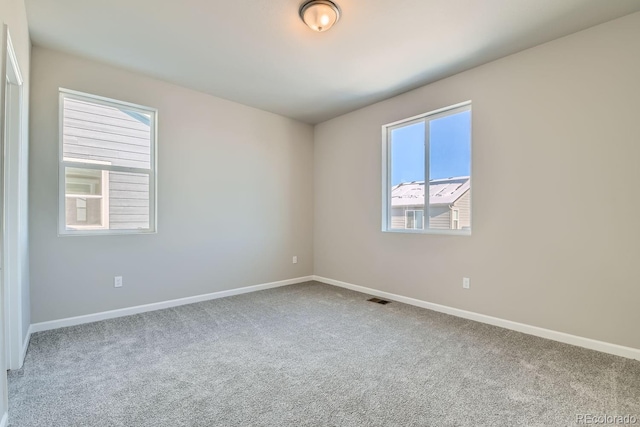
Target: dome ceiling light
x: 319, y: 15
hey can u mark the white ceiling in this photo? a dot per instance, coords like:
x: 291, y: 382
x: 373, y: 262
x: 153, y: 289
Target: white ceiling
x: 259, y: 53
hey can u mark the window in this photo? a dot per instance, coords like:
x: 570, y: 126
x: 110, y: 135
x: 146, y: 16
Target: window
x: 430, y: 151
x: 413, y: 219
x: 86, y: 200
x: 107, y: 166
x: 455, y: 219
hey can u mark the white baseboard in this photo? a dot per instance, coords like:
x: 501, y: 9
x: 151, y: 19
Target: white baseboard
x: 96, y: 317
x: 618, y: 350
x: 25, y: 345
x: 3, y: 421
x: 615, y: 349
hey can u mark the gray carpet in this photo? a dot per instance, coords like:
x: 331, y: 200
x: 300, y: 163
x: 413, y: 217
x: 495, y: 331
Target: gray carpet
x: 311, y: 355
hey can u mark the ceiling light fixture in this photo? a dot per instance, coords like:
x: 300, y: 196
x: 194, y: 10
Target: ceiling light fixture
x: 319, y: 15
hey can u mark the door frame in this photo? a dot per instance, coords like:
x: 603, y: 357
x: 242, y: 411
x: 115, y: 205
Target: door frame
x: 10, y: 199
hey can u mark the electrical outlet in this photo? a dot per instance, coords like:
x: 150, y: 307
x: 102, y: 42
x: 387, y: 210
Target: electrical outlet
x: 117, y: 282
x: 295, y: 259
x: 465, y: 282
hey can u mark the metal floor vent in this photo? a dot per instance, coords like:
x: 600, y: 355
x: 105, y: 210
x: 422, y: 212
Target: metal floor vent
x: 379, y: 301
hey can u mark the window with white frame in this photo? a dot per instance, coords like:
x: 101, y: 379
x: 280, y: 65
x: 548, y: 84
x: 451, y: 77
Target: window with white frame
x: 455, y: 219
x: 86, y: 199
x: 413, y: 219
x: 427, y: 172
x: 107, y: 166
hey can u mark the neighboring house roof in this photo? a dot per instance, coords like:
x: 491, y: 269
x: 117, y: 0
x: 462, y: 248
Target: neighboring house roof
x: 441, y: 191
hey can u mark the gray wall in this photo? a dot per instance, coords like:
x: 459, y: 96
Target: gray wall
x: 235, y: 198
x: 557, y: 125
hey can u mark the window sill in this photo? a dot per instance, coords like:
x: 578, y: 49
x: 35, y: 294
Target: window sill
x: 94, y: 233
x: 431, y: 231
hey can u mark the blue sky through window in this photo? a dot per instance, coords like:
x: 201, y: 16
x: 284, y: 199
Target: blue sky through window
x: 449, y: 149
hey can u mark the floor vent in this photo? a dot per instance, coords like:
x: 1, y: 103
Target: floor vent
x: 379, y: 301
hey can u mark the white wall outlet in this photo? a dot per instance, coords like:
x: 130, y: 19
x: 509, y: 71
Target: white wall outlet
x: 465, y: 282
x: 295, y: 259
x: 117, y: 282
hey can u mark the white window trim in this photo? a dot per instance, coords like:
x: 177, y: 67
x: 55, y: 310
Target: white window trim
x: 91, y: 164
x: 386, y: 170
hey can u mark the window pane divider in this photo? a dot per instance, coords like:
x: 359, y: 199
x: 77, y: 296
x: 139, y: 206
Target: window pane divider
x: 84, y: 196
x: 427, y: 160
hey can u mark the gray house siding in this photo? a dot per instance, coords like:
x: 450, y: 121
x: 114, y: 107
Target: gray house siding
x: 128, y: 201
x: 397, y: 217
x: 440, y: 217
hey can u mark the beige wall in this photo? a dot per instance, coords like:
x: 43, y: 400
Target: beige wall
x: 235, y: 198
x: 557, y: 125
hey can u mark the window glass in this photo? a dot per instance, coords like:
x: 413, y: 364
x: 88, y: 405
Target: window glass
x: 107, y: 165
x: 430, y: 153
